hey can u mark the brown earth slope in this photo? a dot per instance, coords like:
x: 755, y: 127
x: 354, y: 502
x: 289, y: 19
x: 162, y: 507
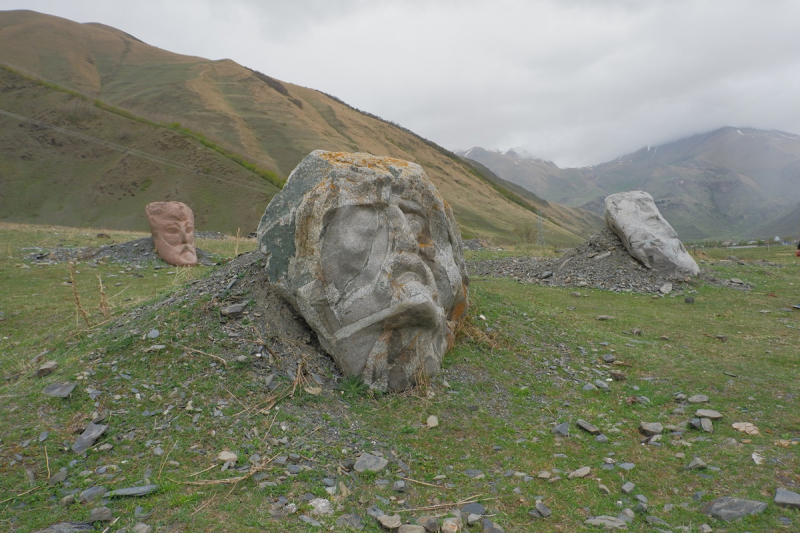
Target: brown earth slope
x: 271, y: 123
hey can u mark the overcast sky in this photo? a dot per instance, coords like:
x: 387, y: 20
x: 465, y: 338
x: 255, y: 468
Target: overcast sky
x: 577, y: 82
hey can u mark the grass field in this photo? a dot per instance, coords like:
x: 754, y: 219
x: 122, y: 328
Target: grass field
x: 520, y: 364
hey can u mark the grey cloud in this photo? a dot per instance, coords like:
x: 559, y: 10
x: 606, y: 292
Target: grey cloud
x: 574, y: 81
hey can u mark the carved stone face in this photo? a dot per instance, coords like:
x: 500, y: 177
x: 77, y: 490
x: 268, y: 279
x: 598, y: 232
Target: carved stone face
x: 377, y: 268
x: 172, y: 226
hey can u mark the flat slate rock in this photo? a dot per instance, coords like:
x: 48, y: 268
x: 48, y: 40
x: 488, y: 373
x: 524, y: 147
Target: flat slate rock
x: 607, y: 522
x: 66, y: 527
x: 59, y: 390
x: 728, y: 509
x: 143, y: 490
x: 586, y: 426
x: 370, y: 462
x: 787, y: 498
x: 88, y: 437
x: 561, y: 429
x: 708, y: 413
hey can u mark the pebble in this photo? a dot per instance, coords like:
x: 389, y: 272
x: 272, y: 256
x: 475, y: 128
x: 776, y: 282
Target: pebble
x: 706, y: 425
x: 697, y: 464
x: 225, y: 456
x: 321, y: 507
x: 46, y: 369
x: 628, y: 487
x: 649, y: 429
x: 100, y: 514
x: 59, y: 390
x: 586, y: 426
x: 88, y: 437
x: 411, y: 528
x: 310, y: 521
x: 561, y: 430
x: 390, y: 521
x: 787, y: 498
x: 370, y: 462
x: 580, y: 473
x: 451, y: 525
x: 91, y: 494
x: 142, y: 490
x: 491, y: 527
x: 600, y: 384
x: 698, y: 398
x: 627, y: 466
x: 728, y: 509
x: 607, y: 522
x: 352, y: 521
x: 708, y: 413
x: 58, y: 477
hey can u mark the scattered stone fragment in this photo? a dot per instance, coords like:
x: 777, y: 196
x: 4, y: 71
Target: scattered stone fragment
x: 88, y: 437
x: 370, y: 462
x: 473, y: 473
x: 58, y: 477
x: 655, y: 521
x: 491, y: 527
x: 728, y: 509
x: 628, y: 487
x: 544, y: 475
x: 601, y: 438
x: 609, y: 358
x: 399, y: 486
x: 706, y: 425
x: 432, y: 421
x: 600, y: 384
x: 605, y: 317
x: 586, y: 426
x: 350, y: 520
x: 225, y: 456
x: 473, y: 508
x: 310, y: 521
x: 321, y: 507
x: 689, y: 300
x: 543, y: 509
x: 627, y: 466
x: 390, y: 521
x: 59, y: 390
x: 649, y: 429
x: 91, y: 494
x: 67, y: 527
x: 705, y: 528
x: 697, y: 464
x: 708, y: 413
x: 430, y: 523
x: 618, y: 375
x: 698, y: 398
x: 451, y: 525
x: 100, y: 514
x: 411, y: 528
x: 46, y: 369
x: 607, y: 522
x: 562, y: 430
x: 746, y: 427
x: 233, y: 310
x: 142, y: 490
x: 787, y: 498
x: 604, y: 489
x: 580, y: 473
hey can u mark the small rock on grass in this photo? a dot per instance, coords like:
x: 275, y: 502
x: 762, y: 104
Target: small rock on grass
x: 352, y: 521
x: 67, y: 527
x: 59, y: 390
x: 142, y: 490
x: 649, y: 429
x: 607, y: 522
x: 88, y: 437
x: 451, y: 525
x: 580, y: 473
x: 697, y: 464
x: 47, y: 369
x: 370, y: 462
x: 708, y: 413
x: 728, y: 509
x: 586, y: 426
x: 491, y: 527
x: 390, y: 521
x: 411, y: 528
x: 225, y: 456
x: 100, y: 514
x: 787, y: 498
x: 562, y: 430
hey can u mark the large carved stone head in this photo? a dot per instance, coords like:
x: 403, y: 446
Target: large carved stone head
x: 172, y: 225
x: 366, y: 249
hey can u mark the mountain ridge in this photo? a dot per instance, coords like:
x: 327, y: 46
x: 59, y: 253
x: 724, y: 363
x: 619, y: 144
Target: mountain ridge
x: 727, y: 183
x: 274, y: 124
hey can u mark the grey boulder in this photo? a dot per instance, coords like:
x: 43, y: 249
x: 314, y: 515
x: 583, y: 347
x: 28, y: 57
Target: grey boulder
x: 647, y: 236
x: 728, y: 509
x: 368, y: 252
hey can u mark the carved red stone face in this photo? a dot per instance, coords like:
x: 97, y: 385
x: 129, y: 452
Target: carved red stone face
x: 172, y: 226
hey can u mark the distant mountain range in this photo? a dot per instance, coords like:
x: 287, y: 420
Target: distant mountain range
x: 728, y: 183
x: 94, y: 124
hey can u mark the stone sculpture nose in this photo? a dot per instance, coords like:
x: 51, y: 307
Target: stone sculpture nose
x: 403, y: 236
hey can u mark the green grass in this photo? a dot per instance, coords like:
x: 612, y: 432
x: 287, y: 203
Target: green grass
x: 509, y: 378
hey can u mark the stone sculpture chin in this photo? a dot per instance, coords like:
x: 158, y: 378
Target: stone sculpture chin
x: 172, y: 226
x: 365, y: 248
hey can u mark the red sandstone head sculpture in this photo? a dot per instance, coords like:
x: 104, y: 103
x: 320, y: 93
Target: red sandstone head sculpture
x: 172, y: 225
